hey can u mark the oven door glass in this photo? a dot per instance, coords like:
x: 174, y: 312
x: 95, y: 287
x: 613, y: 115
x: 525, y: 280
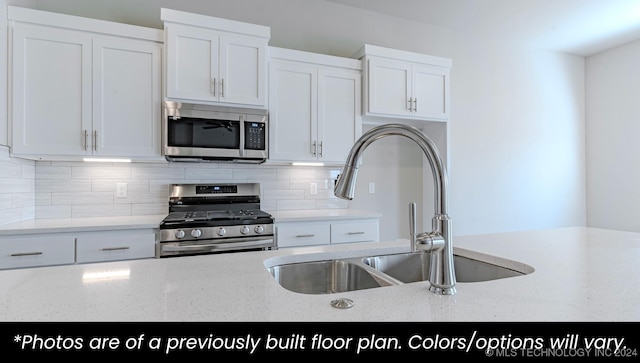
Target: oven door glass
x: 203, y: 133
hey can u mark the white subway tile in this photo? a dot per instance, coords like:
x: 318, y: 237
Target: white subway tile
x: 53, y: 211
x: 52, y: 172
x: 82, y: 198
x: 295, y: 204
x: 283, y: 194
x: 71, y: 186
x: 112, y: 210
x: 149, y: 209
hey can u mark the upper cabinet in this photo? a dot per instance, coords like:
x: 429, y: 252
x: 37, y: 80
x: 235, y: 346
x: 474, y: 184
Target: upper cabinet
x: 402, y: 84
x: 215, y: 61
x: 314, y: 106
x: 83, y: 87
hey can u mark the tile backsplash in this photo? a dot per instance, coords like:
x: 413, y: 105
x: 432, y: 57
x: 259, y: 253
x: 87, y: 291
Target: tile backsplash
x: 17, y: 188
x: 80, y: 189
x: 52, y: 189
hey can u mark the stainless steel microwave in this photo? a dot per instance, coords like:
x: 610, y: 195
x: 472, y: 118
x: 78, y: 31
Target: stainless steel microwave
x: 194, y: 132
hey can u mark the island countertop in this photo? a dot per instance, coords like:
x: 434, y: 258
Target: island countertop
x: 581, y: 274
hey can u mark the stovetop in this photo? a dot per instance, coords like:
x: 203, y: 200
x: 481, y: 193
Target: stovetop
x: 215, y: 218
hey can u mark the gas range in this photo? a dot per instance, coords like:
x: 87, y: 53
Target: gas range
x: 214, y: 218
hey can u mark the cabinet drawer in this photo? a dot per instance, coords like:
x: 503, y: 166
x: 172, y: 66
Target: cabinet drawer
x: 303, y: 235
x: 32, y: 251
x: 354, y: 232
x: 111, y: 248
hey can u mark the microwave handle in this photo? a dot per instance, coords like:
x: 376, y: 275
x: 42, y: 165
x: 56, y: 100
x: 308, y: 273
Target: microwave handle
x: 242, y: 135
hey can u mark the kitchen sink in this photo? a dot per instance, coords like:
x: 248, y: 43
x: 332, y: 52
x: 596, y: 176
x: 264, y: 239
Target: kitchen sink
x: 326, y: 277
x: 330, y: 276
x: 412, y: 267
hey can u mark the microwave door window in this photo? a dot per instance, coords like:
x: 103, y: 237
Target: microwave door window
x: 204, y: 133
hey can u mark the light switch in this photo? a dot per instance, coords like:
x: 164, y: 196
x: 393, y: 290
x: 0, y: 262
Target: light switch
x: 121, y: 190
x: 314, y: 188
x: 372, y: 188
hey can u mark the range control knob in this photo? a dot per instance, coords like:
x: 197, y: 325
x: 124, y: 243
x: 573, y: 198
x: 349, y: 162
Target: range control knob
x: 179, y: 234
x: 244, y: 230
x: 221, y: 232
x: 196, y: 233
x: 259, y: 229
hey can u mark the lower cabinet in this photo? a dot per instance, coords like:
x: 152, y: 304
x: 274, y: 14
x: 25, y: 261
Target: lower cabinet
x: 34, y: 250
x: 114, y: 246
x: 298, y: 234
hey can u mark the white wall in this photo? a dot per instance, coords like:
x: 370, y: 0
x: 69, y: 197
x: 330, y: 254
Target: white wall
x: 3, y: 74
x: 517, y: 122
x: 613, y: 129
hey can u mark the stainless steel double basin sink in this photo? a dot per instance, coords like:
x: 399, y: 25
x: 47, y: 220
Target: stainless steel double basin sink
x: 338, y: 275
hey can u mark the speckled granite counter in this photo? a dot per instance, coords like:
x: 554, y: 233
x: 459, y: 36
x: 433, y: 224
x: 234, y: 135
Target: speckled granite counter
x: 580, y: 274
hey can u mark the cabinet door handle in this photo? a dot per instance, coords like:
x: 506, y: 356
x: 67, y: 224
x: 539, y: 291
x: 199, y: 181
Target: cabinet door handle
x: 95, y: 140
x: 410, y: 104
x: 222, y: 87
x: 305, y: 235
x: 314, y: 149
x: 320, y: 149
x: 115, y: 248
x: 20, y: 254
x: 86, y: 135
x: 352, y: 233
x: 213, y: 87
x: 415, y: 104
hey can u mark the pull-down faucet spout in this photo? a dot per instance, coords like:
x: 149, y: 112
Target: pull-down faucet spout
x: 438, y: 242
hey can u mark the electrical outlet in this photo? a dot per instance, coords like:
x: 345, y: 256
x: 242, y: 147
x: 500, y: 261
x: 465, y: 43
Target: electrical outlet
x: 314, y: 188
x: 372, y: 188
x: 121, y: 190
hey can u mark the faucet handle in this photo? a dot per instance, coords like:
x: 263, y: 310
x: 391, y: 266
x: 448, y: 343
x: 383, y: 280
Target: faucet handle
x: 412, y: 225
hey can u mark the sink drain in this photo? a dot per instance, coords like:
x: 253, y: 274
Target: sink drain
x: 342, y: 303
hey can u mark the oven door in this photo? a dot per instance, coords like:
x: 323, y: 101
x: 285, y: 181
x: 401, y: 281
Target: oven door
x: 169, y: 249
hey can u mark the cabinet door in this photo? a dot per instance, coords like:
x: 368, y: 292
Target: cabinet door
x: 126, y: 97
x: 339, y: 113
x: 431, y: 92
x: 36, y: 250
x: 389, y: 85
x: 105, y: 246
x: 51, y: 91
x: 242, y: 70
x: 303, y: 234
x: 192, y: 63
x: 293, y: 112
x: 354, y: 231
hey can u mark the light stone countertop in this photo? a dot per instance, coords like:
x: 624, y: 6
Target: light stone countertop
x: 57, y: 225
x: 93, y: 224
x: 581, y: 274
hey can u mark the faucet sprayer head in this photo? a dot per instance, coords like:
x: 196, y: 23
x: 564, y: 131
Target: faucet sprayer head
x: 346, y: 186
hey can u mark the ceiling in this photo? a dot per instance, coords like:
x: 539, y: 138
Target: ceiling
x: 581, y: 27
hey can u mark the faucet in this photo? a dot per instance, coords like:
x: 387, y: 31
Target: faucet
x: 438, y: 242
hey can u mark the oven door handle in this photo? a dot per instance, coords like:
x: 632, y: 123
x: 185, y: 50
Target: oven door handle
x: 217, y: 246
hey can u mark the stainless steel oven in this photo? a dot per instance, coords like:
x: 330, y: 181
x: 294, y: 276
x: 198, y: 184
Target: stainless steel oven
x: 193, y: 132
x: 214, y: 218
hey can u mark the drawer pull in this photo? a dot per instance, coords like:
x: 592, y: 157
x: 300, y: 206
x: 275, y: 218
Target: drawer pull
x: 305, y: 235
x: 20, y: 254
x: 115, y: 248
x: 350, y: 233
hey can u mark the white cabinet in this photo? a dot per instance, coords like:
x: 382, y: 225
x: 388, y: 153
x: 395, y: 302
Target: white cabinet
x: 314, y: 105
x: 215, y: 61
x: 114, y: 246
x: 324, y: 232
x: 36, y: 250
x: 65, y: 248
x: 404, y: 84
x: 79, y: 92
x: 303, y: 234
